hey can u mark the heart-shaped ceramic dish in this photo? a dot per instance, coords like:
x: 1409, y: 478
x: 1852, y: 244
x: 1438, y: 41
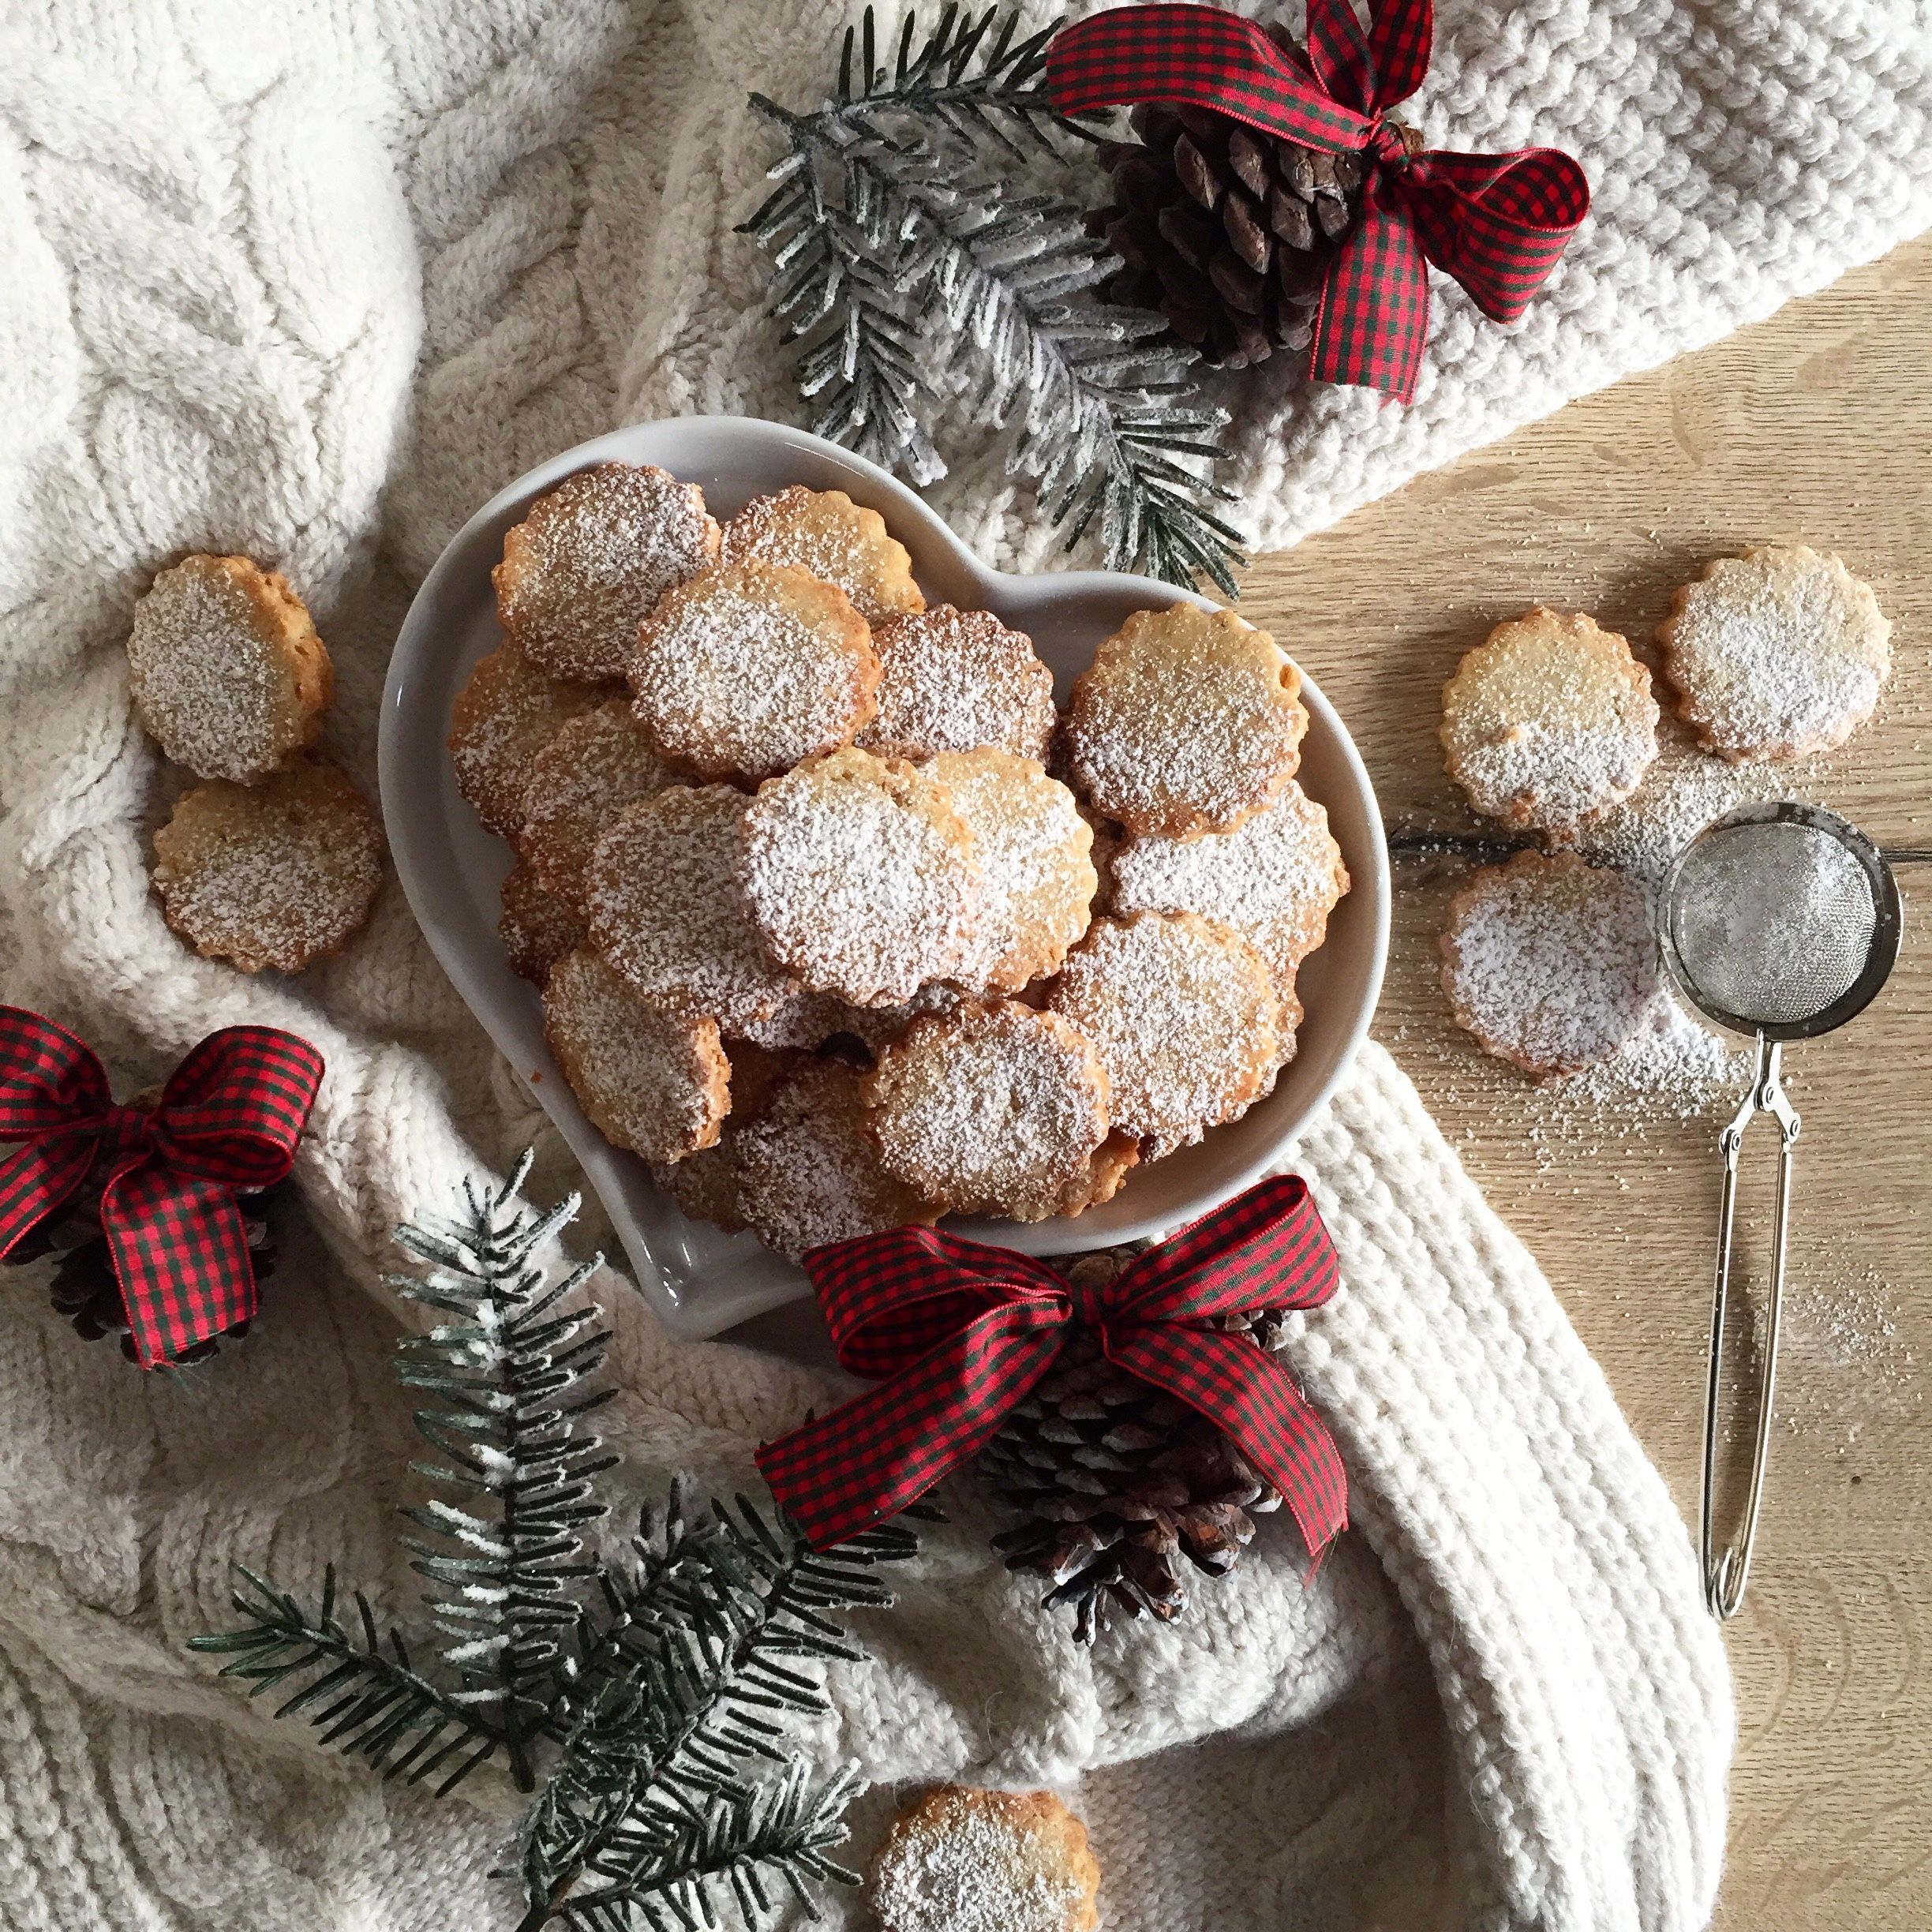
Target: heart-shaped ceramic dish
x: 701, y: 1280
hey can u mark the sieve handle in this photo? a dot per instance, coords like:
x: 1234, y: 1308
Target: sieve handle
x: 1724, y: 1576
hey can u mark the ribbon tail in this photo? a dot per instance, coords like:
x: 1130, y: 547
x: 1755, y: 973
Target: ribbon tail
x: 1375, y: 306
x: 1254, y: 1400
x: 181, y: 1254
x: 868, y: 1460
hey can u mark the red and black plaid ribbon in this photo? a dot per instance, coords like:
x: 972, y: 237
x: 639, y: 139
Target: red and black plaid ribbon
x: 1497, y: 222
x: 957, y: 1333
x: 227, y: 1121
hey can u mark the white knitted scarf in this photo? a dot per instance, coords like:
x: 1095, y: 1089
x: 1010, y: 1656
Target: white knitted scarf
x: 309, y: 282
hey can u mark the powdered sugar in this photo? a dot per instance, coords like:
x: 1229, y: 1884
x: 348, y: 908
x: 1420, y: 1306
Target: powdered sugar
x: 861, y: 877
x: 595, y: 766
x: 993, y: 1110
x: 1550, y: 963
x: 592, y: 557
x: 746, y: 670
x: 503, y: 717
x: 808, y: 1172
x: 1274, y: 879
x: 1186, y: 722
x: 953, y: 679
x: 274, y: 874
x: 1183, y: 1015
x: 650, y: 1081
x: 1037, y: 879
x: 1548, y: 720
x: 966, y: 1866
x: 1778, y: 654
x: 1772, y: 920
x: 665, y: 907
x: 214, y: 656
x: 837, y: 540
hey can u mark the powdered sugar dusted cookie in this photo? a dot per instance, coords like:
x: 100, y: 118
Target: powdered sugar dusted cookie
x: 1186, y: 721
x: 502, y: 718
x: 837, y: 540
x: 665, y: 906
x: 587, y: 564
x: 746, y: 670
x: 536, y: 927
x: 862, y: 876
x: 227, y: 673
x: 1274, y: 879
x: 704, y: 1185
x: 1037, y: 880
x: 654, y: 1082
x: 1549, y: 962
x: 965, y: 1860
x: 1548, y: 721
x: 991, y: 1110
x: 808, y: 1172
x: 599, y: 763
x: 952, y: 680
x: 1778, y: 654
x: 276, y: 874
x: 1183, y: 1016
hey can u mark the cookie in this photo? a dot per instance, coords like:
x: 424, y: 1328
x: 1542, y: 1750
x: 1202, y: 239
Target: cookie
x: 745, y: 671
x: 536, y: 927
x: 991, y: 1110
x: 505, y: 714
x: 1183, y: 1016
x: 1186, y: 721
x: 1105, y: 1173
x: 598, y: 763
x: 704, y: 1186
x: 227, y: 674
x: 1778, y: 654
x: 808, y: 1172
x: 276, y: 874
x: 862, y: 877
x: 1548, y: 722
x: 653, y: 1082
x: 953, y: 679
x: 1274, y: 879
x: 838, y: 542
x: 665, y: 907
x: 964, y: 1860
x: 590, y: 560
x: 1551, y: 963
x: 1037, y: 881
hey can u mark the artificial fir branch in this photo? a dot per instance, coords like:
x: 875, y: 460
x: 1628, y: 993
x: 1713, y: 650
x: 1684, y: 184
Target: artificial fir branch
x: 891, y: 237
x: 644, y: 1695
x: 504, y: 1365
x: 364, y: 1699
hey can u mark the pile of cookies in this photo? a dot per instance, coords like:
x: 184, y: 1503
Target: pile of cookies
x: 809, y: 871
x: 274, y: 859
x: 1780, y: 653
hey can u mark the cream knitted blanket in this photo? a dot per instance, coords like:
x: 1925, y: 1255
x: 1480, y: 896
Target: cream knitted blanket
x: 311, y: 281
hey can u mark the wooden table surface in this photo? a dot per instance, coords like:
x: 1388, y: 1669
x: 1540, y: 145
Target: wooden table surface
x: 1817, y: 426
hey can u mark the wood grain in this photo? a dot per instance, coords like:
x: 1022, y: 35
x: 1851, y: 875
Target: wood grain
x: 1816, y: 424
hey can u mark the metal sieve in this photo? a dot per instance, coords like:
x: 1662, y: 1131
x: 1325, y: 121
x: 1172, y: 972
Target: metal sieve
x: 1781, y: 921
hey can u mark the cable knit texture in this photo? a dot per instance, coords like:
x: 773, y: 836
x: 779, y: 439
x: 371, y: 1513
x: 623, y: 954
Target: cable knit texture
x: 309, y: 282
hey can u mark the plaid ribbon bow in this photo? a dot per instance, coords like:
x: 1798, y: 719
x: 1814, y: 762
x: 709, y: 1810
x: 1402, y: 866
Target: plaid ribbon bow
x: 1497, y: 222
x: 957, y: 1333
x: 227, y: 1121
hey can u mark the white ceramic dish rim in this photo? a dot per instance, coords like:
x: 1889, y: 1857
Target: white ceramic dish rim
x: 418, y: 837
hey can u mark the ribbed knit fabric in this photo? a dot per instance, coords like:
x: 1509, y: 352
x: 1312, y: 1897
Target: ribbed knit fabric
x: 310, y: 283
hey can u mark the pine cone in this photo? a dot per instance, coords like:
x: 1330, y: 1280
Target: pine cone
x: 1227, y: 231
x: 85, y: 1289
x: 1118, y: 1481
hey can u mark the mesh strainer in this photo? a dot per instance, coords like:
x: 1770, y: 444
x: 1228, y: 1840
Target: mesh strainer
x: 1781, y: 921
